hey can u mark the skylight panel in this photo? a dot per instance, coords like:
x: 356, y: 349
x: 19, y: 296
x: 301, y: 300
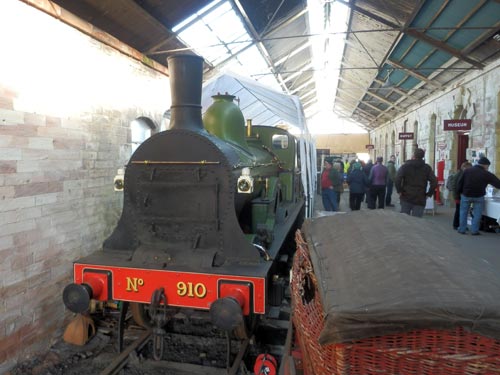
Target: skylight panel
x: 227, y: 26
x: 217, y: 33
x: 240, y: 43
x: 257, y: 65
x: 250, y: 63
x: 329, y: 23
x: 215, y: 15
x: 191, y: 18
x: 192, y: 33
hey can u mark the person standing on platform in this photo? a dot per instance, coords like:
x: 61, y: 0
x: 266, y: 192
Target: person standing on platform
x: 452, y: 185
x: 328, y: 195
x: 415, y: 181
x: 391, y: 169
x: 366, y: 170
x: 472, y: 187
x: 337, y: 178
x: 347, y: 166
x: 358, y: 182
x: 378, y: 180
x: 349, y: 170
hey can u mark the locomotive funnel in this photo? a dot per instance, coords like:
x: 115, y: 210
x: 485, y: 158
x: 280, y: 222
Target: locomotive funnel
x: 186, y: 79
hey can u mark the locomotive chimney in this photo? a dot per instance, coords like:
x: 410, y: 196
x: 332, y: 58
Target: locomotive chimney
x: 186, y: 78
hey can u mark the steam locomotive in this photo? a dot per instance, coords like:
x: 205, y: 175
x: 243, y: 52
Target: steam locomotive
x: 208, y: 206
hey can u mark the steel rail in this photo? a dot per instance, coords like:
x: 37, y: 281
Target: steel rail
x: 120, y: 361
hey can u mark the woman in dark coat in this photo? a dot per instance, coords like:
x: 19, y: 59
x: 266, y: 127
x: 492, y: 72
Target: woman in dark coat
x: 358, y: 182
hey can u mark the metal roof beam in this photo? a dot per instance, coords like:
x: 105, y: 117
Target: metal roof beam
x: 416, y: 34
x: 286, y: 22
x: 258, y: 43
x: 308, y: 82
x: 443, y: 47
x: 395, y: 89
x: 300, y: 70
x: 309, y: 102
x: 408, y: 95
x: 370, y: 15
x: 360, y: 101
x: 94, y: 32
x: 310, y: 92
x: 481, y: 39
x: 413, y: 73
x: 368, y: 116
x: 417, y: 8
x: 293, y: 53
x: 372, y: 94
x: 426, y: 28
x: 168, y: 33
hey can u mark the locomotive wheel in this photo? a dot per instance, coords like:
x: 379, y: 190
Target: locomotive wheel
x: 140, y: 314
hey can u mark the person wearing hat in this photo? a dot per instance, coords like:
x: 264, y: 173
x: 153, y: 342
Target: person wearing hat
x: 415, y: 181
x: 472, y: 187
x: 328, y: 194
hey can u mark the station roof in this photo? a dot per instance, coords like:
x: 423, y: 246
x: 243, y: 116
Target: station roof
x: 397, y: 52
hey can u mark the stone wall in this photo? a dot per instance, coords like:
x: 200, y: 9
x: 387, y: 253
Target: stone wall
x: 343, y: 143
x: 66, y: 103
x: 476, y: 96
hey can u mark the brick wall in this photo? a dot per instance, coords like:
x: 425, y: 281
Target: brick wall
x: 64, y: 132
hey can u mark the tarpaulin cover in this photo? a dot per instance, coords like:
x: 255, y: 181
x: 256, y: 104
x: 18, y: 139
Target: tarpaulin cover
x: 381, y: 272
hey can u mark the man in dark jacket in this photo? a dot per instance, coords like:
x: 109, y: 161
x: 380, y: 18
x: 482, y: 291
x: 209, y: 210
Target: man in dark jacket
x: 415, y: 181
x: 453, y: 185
x: 472, y: 186
x: 358, y: 182
x: 366, y: 170
x: 391, y: 169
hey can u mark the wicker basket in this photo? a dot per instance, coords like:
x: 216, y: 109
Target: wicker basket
x: 422, y: 352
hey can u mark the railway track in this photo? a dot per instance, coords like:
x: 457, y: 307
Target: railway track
x: 117, y: 365
x: 193, y: 347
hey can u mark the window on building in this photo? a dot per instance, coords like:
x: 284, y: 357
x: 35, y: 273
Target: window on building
x: 141, y: 129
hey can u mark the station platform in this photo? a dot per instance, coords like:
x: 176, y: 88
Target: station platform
x: 486, y: 246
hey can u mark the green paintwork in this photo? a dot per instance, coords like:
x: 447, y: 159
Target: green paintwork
x: 225, y: 120
x: 271, y: 164
x: 263, y: 214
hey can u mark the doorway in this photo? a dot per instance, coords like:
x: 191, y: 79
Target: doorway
x: 463, y: 144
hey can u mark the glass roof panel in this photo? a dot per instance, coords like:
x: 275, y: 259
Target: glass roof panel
x: 228, y: 27
x: 256, y: 69
x: 217, y: 33
x: 211, y: 18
